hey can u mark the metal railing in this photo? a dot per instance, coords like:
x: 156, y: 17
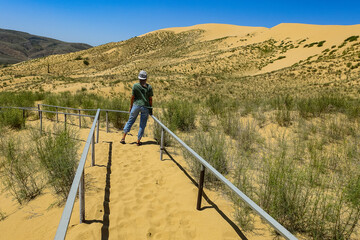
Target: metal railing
x: 78, y: 182
x: 205, y: 165
x: 79, y: 111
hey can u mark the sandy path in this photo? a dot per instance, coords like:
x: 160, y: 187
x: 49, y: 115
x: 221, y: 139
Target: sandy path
x: 148, y: 198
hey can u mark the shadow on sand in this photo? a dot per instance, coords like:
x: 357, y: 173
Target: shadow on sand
x: 212, y: 204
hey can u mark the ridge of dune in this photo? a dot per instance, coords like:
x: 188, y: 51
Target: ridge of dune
x: 216, y: 30
x: 331, y: 33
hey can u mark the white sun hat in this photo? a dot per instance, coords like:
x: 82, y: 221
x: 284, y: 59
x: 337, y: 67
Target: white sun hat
x: 142, y: 75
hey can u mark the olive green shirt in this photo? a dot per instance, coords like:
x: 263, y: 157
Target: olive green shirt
x: 142, y: 94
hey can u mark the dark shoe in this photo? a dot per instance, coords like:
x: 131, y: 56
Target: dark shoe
x: 139, y: 143
x: 122, y: 141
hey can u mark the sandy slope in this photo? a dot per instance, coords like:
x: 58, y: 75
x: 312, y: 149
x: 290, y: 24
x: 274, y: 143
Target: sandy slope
x: 215, y: 31
x: 130, y: 194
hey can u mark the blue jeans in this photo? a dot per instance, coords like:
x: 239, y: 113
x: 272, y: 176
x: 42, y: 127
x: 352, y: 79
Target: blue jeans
x: 143, y: 119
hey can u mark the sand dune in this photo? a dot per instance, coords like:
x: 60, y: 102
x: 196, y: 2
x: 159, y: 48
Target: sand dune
x: 215, y: 31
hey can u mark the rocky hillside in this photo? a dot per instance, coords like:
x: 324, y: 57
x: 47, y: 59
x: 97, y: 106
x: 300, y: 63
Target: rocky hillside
x: 20, y: 46
x: 237, y: 61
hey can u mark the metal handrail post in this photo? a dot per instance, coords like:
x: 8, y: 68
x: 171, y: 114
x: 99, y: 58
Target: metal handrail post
x: 107, y: 122
x: 57, y: 115
x: 65, y: 119
x: 98, y: 129
x: 79, y: 118
x: 40, y: 115
x: 93, y: 150
x: 39, y: 109
x: 201, y: 186
x: 82, y: 198
x: 162, y: 144
x: 24, y: 117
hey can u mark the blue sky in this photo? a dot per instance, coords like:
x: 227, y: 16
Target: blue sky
x: 100, y: 22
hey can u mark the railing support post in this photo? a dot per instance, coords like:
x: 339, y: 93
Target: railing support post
x: 107, y: 122
x: 24, y: 118
x: 40, y: 115
x: 162, y: 144
x: 79, y: 118
x: 57, y: 115
x: 65, y: 120
x: 39, y: 109
x: 201, y: 185
x: 82, y: 198
x: 93, y: 150
x: 98, y: 128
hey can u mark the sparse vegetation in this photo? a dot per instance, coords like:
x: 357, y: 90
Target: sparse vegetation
x: 180, y: 115
x: 212, y: 147
x: 18, y: 170
x: 58, y: 157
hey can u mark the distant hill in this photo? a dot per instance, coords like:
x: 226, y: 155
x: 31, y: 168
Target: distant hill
x: 18, y: 46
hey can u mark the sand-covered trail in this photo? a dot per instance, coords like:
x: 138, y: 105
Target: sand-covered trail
x: 145, y: 198
x: 130, y: 194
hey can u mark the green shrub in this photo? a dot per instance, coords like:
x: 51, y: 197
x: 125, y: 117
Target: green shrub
x: 180, y: 115
x: 351, y: 39
x: 212, y: 147
x: 320, y: 44
x: 18, y: 170
x: 216, y: 104
x: 58, y: 157
x: 316, y: 106
x: 118, y: 119
x: 242, y: 179
x: 20, y: 99
x: 2, y: 216
x: 12, y: 118
x: 244, y: 133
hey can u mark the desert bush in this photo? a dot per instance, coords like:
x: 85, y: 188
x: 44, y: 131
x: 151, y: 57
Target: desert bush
x: 282, y: 191
x: 12, y: 118
x: 179, y: 115
x: 316, y: 106
x: 118, y: 119
x: 304, y: 196
x: 20, y: 99
x: 205, y: 121
x: 242, y: 179
x: 215, y: 103
x: 2, y: 216
x: 57, y: 154
x: 244, y: 133
x: 212, y: 147
x: 18, y: 170
x: 283, y: 117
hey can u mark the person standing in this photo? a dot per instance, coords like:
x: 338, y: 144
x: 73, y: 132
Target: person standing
x: 141, y: 102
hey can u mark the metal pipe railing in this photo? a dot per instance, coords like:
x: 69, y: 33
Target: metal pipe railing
x: 81, y: 109
x: 78, y: 183
x: 277, y: 226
